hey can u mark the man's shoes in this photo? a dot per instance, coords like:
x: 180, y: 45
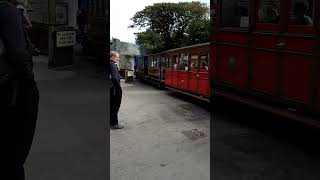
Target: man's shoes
x: 118, y: 126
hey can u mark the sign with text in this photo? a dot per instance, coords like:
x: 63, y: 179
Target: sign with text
x: 66, y: 38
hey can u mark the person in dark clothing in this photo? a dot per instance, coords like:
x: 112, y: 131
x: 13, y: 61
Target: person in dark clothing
x: 115, y: 91
x: 19, y: 95
x: 82, y: 21
x: 301, y: 18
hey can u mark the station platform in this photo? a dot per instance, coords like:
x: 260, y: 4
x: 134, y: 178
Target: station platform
x: 154, y: 143
x: 70, y: 139
x: 71, y: 135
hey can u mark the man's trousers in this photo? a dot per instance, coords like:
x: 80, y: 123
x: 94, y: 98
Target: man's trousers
x: 115, y: 102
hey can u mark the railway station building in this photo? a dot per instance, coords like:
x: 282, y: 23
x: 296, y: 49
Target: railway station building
x: 49, y: 16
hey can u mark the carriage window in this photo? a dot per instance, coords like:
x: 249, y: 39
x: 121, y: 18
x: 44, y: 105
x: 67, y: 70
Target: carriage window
x: 141, y: 62
x: 166, y: 62
x: 302, y: 12
x: 153, y: 62
x: 175, y: 62
x: 235, y: 13
x: 158, y: 60
x: 194, y: 62
x: 169, y: 60
x: 184, y: 62
x: 163, y: 62
x: 204, y: 62
x: 269, y: 11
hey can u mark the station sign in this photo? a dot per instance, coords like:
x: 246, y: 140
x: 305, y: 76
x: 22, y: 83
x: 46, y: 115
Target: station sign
x: 66, y: 38
x: 130, y: 73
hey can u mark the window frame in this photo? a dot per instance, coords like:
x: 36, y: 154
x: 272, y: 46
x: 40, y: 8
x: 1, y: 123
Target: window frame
x: 207, y: 62
x: 221, y: 24
x: 303, y: 29
x: 191, y: 61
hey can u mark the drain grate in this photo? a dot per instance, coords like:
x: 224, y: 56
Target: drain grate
x: 194, y: 134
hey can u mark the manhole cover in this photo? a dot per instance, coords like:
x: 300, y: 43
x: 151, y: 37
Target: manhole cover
x: 194, y: 134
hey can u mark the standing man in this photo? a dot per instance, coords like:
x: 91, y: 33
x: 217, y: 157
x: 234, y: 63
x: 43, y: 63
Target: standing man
x: 115, y: 91
x: 82, y: 21
x: 19, y: 95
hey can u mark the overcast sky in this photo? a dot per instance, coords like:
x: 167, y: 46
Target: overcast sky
x: 122, y: 11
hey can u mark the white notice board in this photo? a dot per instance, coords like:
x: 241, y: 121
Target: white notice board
x: 66, y: 38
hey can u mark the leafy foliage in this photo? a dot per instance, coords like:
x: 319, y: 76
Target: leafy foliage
x: 172, y: 25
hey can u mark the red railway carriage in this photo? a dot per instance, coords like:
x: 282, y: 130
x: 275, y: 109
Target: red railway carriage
x: 187, y: 70
x: 266, y: 53
x: 183, y: 69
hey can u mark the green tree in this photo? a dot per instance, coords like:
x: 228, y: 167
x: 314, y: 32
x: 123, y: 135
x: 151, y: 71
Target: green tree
x: 199, y: 31
x: 172, y: 25
x: 151, y: 41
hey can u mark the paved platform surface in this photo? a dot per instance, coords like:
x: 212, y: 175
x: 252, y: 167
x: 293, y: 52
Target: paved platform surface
x: 152, y: 146
x: 70, y: 141
x: 253, y: 145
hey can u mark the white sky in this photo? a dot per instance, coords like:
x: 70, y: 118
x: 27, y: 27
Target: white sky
x: 122, y: 11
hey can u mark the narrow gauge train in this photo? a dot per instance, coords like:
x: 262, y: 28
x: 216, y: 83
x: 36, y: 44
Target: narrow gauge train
x: 263, y: 53
x: 183, y: 69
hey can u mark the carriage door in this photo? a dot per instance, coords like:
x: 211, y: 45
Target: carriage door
x: 168, y: 71
x: 146, y: 65
x: 265, y: 60
x: 159, y: 67
x: 151, y: 66
x: 162, y: 68
x: 299, y: 59
x: 203, y: 77
x: 175, y: 70
x: 194, y: 74
x: 183, y: 71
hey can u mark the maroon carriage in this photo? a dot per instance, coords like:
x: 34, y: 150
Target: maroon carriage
x: 266, y: 53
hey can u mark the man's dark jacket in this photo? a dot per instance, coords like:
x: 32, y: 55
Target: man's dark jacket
x: 115, y: 76
x: 14, y: 38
